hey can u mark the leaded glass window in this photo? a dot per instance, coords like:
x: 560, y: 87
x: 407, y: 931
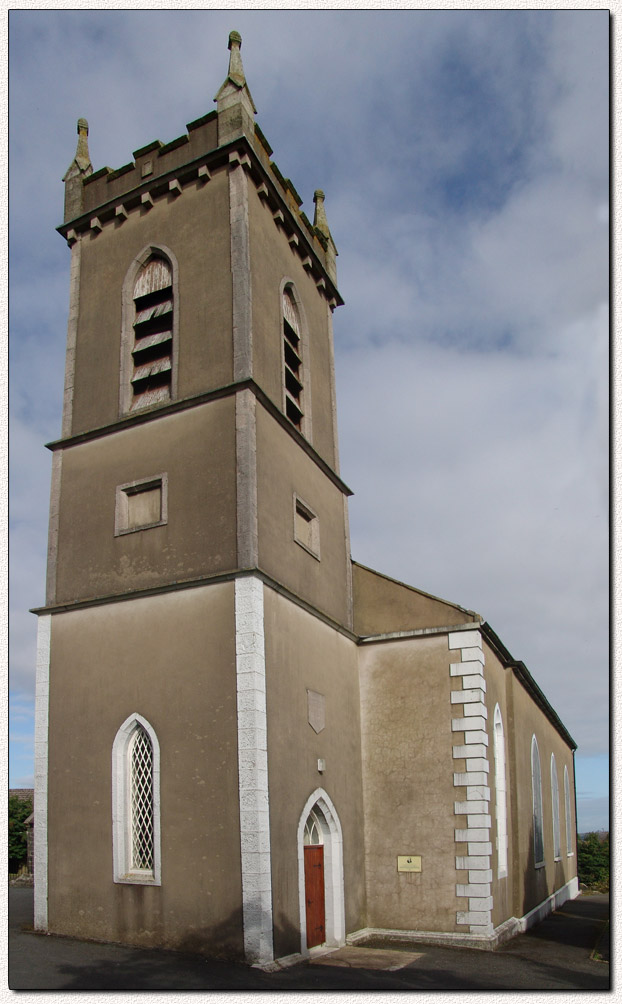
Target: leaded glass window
x: 141, y: 798
x: 312, y: 831
x: 136, y: 803
x: 568, y: 812
x: 536, y: 789
x: 500, y: 795
x: 557, y: 840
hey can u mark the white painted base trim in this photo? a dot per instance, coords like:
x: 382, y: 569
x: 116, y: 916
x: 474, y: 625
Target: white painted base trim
x: 553, y: 902
x: 253, y: 770
x: 42, y: 705
x: 457, y: 940
x: 489, y: 942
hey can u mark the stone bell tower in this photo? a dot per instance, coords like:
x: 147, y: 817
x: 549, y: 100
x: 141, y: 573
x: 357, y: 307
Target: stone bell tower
x: 199, y: 597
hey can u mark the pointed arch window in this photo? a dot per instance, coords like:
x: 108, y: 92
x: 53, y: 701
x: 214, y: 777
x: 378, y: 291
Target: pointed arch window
x: 136, y: 803
x: 557, y: 840
x: 500, y: 794
x: 293, y: 374
x: 569, y: 849
x: 312, y: 835
x: 152, y: 351
x: 536, y: 790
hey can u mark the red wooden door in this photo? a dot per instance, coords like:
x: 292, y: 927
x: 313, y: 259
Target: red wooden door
x: 314, y: 894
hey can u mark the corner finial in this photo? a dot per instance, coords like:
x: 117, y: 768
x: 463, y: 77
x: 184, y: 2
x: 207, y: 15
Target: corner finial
x: 236, y: 69
x: 235, y: 86
x: 82, y: 158
x: 79, y: 169
x: 321, y: 223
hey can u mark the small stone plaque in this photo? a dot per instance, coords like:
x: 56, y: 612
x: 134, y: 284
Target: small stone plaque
x: 409, y: 863
x: 316, y: 710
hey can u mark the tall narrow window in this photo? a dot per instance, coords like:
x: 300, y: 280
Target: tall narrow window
x: 135, y: 803
x: 152, y: 352
x: 536, y: 790
x: 557, y: 840
x: 141, y: 802
x: 500, y: 795
x: 569, y: 849
x: 292, y: 361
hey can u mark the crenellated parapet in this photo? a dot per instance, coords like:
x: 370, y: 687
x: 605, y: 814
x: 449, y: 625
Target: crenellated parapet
x: 214, y: 142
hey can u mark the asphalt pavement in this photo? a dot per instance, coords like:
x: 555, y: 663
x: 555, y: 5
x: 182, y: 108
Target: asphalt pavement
x: 567, y: 951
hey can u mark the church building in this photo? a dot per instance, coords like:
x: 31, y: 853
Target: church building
x: 247, y: 744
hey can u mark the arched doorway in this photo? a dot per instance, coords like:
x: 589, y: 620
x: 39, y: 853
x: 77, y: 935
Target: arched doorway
x: 320, y: 863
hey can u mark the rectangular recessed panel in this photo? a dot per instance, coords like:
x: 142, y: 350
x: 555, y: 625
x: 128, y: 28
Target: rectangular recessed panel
x: 144, y: 507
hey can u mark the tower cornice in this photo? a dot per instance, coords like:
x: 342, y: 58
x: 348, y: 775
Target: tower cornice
x: 270, y: 184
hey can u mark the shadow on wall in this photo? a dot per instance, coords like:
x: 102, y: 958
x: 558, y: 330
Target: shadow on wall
x: 535, y: 887
x: 139, y: 926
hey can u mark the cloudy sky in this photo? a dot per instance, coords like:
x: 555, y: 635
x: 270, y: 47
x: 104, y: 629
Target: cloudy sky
x: 464, y: 156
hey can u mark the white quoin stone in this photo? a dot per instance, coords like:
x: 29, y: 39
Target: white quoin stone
x: 480, y: 903
x: 472, y: 917
x: 464, y: 639
x: 467, y: 696
x: 466, y: 668
x: 485, y: 875
x: 473, y: 655
x: 462, y: 752
x: 473, y: 862
x: 468, y: 724
x: 479, y: 847
x: 465, y: 808
x: 477, y: 791
x: 478, y: 763
x: 474, y: 889
x: 474, y: 710
x: 474, y: 681
x: 471, y: 778
x: 476, y: 737
x: 478, y: 819
x: 468, y: 835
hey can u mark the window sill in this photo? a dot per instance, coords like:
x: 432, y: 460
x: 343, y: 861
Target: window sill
x: 137, y: 879
x: 135, y: 529
x: 540, y: 864
x: 307, y: 549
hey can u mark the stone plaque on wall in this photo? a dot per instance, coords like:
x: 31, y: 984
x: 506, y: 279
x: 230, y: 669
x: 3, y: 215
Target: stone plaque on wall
x: 316, y: 710
x: 409, y: 863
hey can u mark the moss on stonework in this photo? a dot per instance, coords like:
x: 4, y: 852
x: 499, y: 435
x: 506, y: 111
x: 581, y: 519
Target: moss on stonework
x: 262, y: 139
x: 121, y: 170
x: 180, y: 141
x: 202, y: 121
x: 155, y: 145
x: 103, y: 172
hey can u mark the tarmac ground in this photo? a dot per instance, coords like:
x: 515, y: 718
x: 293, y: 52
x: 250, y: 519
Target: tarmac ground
x: 569, y: 950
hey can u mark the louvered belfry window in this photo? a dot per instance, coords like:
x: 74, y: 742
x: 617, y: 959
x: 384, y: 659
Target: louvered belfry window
x: 152, y: 354
x: 292, y: 354
x: 141, y: 802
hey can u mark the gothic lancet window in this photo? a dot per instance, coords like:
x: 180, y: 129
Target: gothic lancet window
x: 152, y: 351
x: 135, y: 803
x: 536, y: 791
x: 292, y: 361
x: 500, y: 795
x: 567, y: 808
x: 557, y: 840
x: 140, y: 764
